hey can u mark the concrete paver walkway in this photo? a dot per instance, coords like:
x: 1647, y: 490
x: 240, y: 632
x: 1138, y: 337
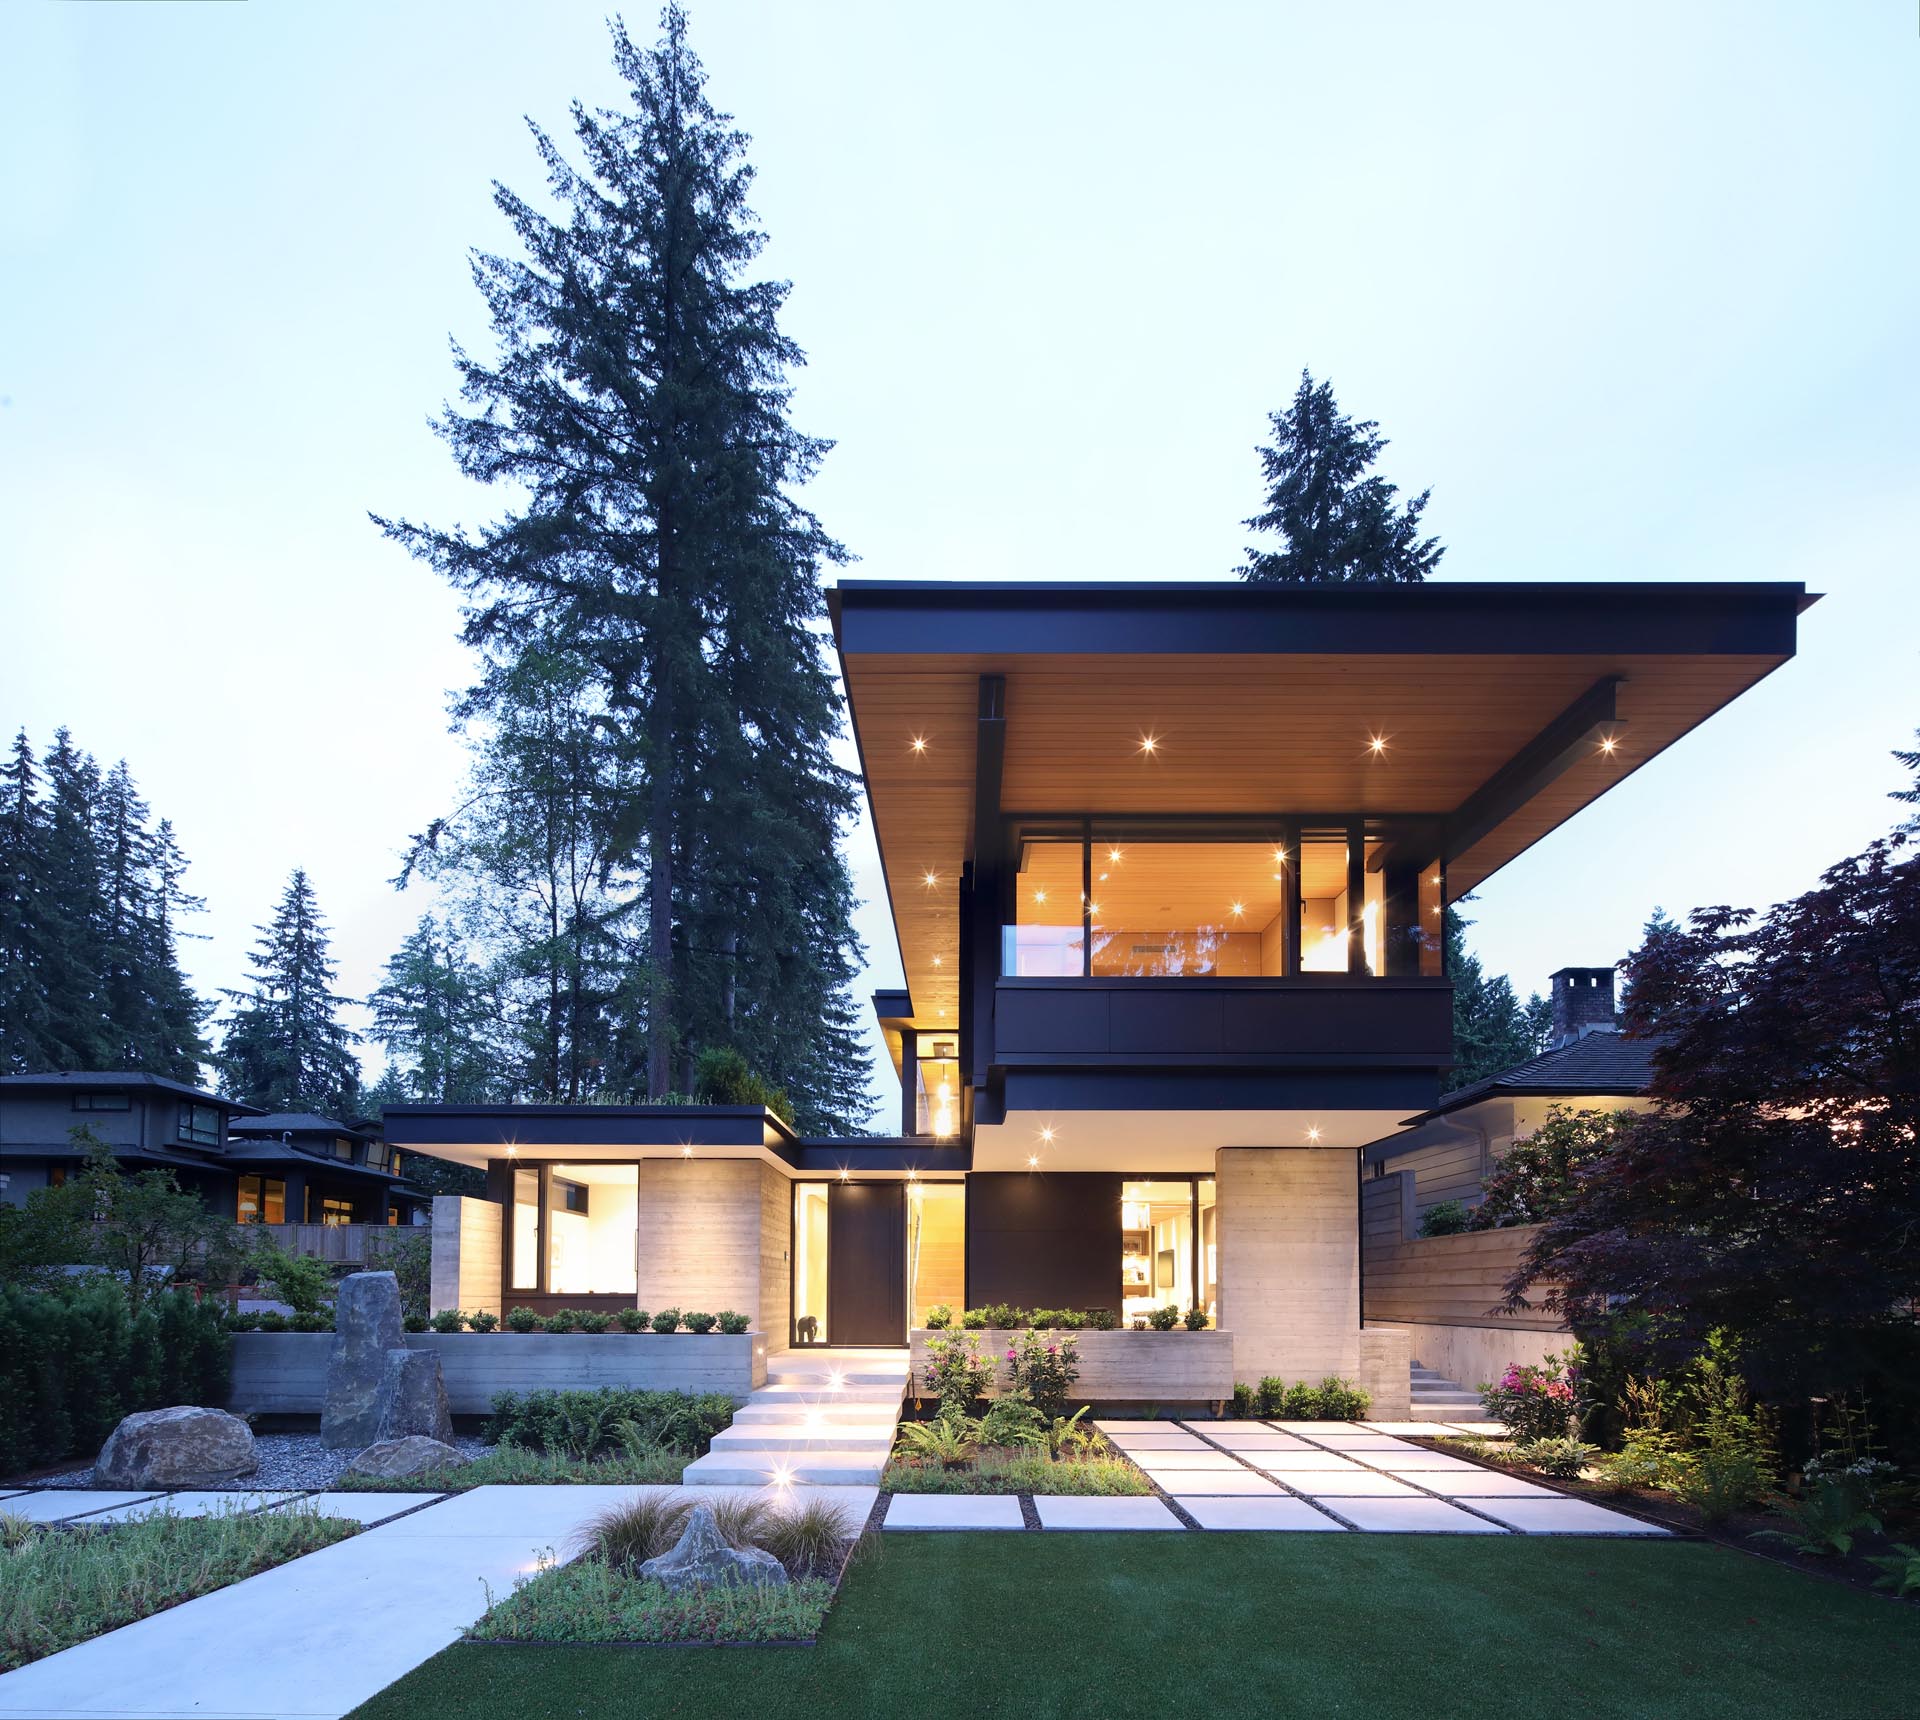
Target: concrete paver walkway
x: 362, y: 1613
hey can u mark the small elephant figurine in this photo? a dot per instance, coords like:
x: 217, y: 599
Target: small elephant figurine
x: 808, y: 1329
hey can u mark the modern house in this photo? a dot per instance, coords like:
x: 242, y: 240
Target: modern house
x: 1444, y: 1289
x: 253, y: 1167
x: 1167, y: 865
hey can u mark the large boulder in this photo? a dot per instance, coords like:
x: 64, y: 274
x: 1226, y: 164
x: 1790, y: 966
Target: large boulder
x: 702, y: 1559
x: 179, y: 1447
x: 413, y: 1397
x: 396, y: 1459
x: 366, y: 1325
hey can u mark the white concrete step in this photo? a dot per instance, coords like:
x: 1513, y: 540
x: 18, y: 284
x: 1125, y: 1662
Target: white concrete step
x: 736, y: 1440
x: 821, y: 1378
x: 830, y: 1409
x: 832, y: 1467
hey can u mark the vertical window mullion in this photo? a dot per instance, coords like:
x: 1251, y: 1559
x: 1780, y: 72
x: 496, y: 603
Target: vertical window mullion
x: 1086, y: 899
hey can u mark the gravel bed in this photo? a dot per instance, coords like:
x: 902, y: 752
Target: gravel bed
x: 295, y: 1460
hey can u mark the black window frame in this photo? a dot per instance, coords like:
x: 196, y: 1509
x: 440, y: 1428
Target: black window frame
x: 188, y: 1127
x: 102, y: 1102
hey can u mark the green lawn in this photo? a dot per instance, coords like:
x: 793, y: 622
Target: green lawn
x: 1103, y: 1627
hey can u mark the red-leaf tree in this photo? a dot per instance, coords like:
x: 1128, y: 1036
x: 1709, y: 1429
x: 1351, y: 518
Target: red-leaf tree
x: 1774, y: 1189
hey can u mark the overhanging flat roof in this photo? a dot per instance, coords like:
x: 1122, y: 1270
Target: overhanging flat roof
x: 1262, y: 700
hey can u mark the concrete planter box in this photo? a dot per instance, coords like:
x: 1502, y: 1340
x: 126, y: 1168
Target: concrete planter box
x: 285, y: 1373
x: 1120, y: 1367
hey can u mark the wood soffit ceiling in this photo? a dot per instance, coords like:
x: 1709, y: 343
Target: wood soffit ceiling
x: 1247, y: 735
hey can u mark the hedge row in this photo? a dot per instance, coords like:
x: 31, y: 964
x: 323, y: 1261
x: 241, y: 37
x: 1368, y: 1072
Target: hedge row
x: 73, y: 1361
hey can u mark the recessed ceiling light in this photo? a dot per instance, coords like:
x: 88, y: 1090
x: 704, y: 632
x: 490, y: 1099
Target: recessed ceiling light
x: 1046, y: 1133
x: 919, y: 743
x: 1608, y: 743
x: 1313, y: 1134
x: 1033, y: 1162
x: 1149, y: 744
x: 936, y: 961
x: 1377, y: 744
x: 1239, y: 907
x: 931, y: 879
x: 1115, y: 855
x: 1280, y: 856
x: 1039, y: 895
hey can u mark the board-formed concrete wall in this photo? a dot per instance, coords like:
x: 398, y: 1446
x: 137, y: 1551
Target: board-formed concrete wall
x: 713, y: 1236
x: 1115, y: 1367
x: 1289, y: 1261
x: 285, y: 1373
x: 466, y: 1254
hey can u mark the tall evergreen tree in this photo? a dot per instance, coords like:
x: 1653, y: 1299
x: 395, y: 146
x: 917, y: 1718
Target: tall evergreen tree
x: 1492, y: 1029
x: 639, y: 409
x: 435, y: 1014
x: 285, y: 1047
x: 1337, y: 520
x: 176, y: 1042
x: 1909, y: 796
x: 26, y: 1036
x: 81, y: 1034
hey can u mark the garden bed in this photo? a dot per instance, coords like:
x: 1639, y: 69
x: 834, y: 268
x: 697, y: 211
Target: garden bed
x: 61, y: 1586
x: 1651, y: 1505
x: 600, y: 1597
x: 1020, y: 1472
x: 1115, y: 1367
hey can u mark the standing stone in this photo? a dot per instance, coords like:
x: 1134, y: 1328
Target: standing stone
x: 701, y: 1559
x: 413, y: 1397
x: 179, y: 1447
x: 366, y: 1325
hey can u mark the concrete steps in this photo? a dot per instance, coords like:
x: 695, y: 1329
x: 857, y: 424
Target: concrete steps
x: 823, y: 1416
x: 1440, y: 1399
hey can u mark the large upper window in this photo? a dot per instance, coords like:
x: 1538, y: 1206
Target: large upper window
x: 201, y: 1125
x: 1303, y: 898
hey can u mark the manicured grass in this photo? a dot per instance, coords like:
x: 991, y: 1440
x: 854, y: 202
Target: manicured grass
x: 515, y: 1463
x: 590, y: 1602
x: 1003, y: 1472
x: 62, y: 1586
x: 1110, y: 1627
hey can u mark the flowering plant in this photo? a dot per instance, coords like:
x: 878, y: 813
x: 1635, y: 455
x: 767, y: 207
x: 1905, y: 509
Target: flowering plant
x: 1045, y: 1366
x: 956, y: 1371
x: 1535, y: 1402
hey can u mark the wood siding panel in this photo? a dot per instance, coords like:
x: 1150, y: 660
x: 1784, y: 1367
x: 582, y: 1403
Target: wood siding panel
x: 1450, y: 1280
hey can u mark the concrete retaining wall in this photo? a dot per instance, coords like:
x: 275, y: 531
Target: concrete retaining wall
x: 1120, y: 1367
x: 1473, y: 1356
x: 285, y: 1373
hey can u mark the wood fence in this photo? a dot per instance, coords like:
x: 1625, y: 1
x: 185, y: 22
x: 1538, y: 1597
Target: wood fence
x: 338, y: 1244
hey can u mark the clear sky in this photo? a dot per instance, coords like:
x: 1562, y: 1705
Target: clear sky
x: 1631, y: 287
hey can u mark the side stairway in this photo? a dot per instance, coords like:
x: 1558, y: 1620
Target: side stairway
x: 824, y: 1415
x: 1436, y: 1398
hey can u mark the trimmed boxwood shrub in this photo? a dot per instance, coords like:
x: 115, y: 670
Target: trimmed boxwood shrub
x: 523, y: 1320
x: 697, y: 1322
x: 667, y: 1320
x: 633, y: 1319
x: 73, y: 1361
x: 733, y: 1324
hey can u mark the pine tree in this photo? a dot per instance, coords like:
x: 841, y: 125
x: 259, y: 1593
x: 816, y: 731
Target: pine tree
x: 285, y: 1048
x: 25, y: 1026
x: 435, y: 1016
x: 1339, y: 524
x: 176, y: 1041
x: 1909, y: 796
x: 80, y: 1032
x: 640, y: 405
x: 1493, y: 1030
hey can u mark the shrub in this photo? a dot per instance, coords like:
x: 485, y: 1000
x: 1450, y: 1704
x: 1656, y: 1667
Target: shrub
x: 270, y: 1322
x: 1446, y: 1218
x: 1245, y: 1402
x: 1534, y: 1402
x: 639, y: 1529
x: 238, y: 1322
x: 1561, y: 1457
x: 560, y: 1320
x: 323, y: 1322
x: 1647, y: 1459
x: 410, y: 1260
x: 939, y: 1317
x: 1272, y: 1392
x: 1164, y: 1319
x: 1537, y: 1177
x: 974, y: 1320
x: 589, y: 1424
x: 522, y: 1320
x: 594, y: 1322
x: 667, y: 1320
x: 1825, y: 1521
x: 73, y: 1361
x: 1333, y: 1399
x: 808, y: 1536
x: 1342, y: 1400
x: 482, y: 1321
x: 632, y: 1319
x: 408, y: 1323
x: 733, y: 1324
x: 299, y: 1280
x: 448, y: 1320
x: 1045, y: 1371
x: 956, y: 1371
x: 1196, y: 1319
x: 1012, y: 1420
x: 1103, y: 1320
x: 698, y: 1323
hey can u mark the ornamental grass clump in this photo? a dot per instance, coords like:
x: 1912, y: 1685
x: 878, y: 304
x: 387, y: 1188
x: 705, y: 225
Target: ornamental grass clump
x: 627, y: 1535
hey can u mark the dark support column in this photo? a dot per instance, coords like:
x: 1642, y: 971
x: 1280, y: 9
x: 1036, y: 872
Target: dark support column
x: 909, y: 1108
x: 1290, y: 900
x: 296, y: 1197
x: 980, y: 954
x: 1403, y: 917
x: 1356, y: 896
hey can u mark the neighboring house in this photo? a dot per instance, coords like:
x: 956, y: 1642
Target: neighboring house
x: 242, y: 1163
x: 1167, y: 866
x: 1444, y: 1288
x: 299, y: 1168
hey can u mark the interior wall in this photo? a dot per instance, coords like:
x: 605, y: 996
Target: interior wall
x: 936, y: 1248
x: 775, y: 1311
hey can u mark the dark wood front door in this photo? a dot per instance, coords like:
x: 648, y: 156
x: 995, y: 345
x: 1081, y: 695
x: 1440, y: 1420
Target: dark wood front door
x: 867, y: 1263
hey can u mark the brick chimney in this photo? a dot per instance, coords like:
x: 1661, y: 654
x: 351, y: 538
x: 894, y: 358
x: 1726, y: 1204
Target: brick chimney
x: 1582, y: 1004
